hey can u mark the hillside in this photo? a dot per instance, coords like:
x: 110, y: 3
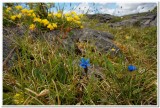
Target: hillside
x: 140, y: 19
x: 71, y: 59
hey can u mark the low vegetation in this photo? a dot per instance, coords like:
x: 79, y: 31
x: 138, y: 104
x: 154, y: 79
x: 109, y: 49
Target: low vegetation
x: 48, y: 74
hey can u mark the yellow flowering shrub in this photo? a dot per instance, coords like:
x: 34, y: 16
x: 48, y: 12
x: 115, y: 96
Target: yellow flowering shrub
x: 18, y: 7
x: 52, y: 26
x: 18, y: 16
x: 24, y: 11
x: 8, y: 9
x: 45, y: 22
x: 29, y: 14
x: 30, y: 11
x: 33, y: 15
x: 76, y: 17
x: 66, y: 15
x: 32, y: 27
x: 58, y: 15
x: 13, y: 17
x: 73, y: 12
x: 37, y: 20
x: 77, y: 22
x: 69, y: 19
x: 50, y: 21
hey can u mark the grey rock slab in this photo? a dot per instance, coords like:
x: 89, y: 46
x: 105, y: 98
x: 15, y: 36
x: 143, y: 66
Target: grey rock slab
x: 103, y: 18
x: 142, y: 20
x: 103, y: 41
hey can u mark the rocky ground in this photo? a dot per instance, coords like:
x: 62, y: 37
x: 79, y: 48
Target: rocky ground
x: 142, y: 19
x: 102, y: 40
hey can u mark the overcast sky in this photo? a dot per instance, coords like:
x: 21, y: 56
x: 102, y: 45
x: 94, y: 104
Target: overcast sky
x: 117, y: 9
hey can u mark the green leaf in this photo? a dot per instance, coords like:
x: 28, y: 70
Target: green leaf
x: 61, y: 75
x: 109, y: 65
x: 38, y: 75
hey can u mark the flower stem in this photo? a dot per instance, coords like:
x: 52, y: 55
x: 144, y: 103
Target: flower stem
x: 86, y: 70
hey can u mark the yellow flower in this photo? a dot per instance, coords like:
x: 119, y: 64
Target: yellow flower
x: 32, y: 27
x: 54, y: 25
x: 66, y: 15
x: 13, y: 17
x: 30, y: 11
x: 49, y: 15
x: 37, y: 20
x: 19, y: 16
x: 18, y: 7
x: 18, y: 98
x: 8, y: 9
x: 34, y: 15
x: 45, y: 22
x: 50, y: 26
x: 81, y: 27
x: 58, y: 15
x: 73, y: 13
x: 24, y: 11
x: 29, y: 14
x: 69, y: 19
x: 77, y: 22
x: 76, y: 17
x: 113, y: 49
x: 74, y: 20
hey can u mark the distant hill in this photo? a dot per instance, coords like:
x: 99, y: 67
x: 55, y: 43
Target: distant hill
x: 144, y: 19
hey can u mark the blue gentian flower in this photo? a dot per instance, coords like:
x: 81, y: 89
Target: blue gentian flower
x: 84, y: 63
x: 131, y: 68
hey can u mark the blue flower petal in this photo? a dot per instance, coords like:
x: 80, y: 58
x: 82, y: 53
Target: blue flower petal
x: 87, y: 61
x: 84, y: 63
x: 88, y: 65
x: 131, y: 68
x: 82, y: 60
x: 83, y: 66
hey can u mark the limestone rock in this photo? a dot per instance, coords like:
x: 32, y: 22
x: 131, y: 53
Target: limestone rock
x: 101, y: 40
x: 103, y: 18
x: 142, y: 20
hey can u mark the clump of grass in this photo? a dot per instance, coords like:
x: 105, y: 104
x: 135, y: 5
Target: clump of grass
x: 57, y: 71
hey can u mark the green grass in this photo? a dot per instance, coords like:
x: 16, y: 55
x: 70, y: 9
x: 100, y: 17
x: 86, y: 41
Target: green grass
x: 57, y: 70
